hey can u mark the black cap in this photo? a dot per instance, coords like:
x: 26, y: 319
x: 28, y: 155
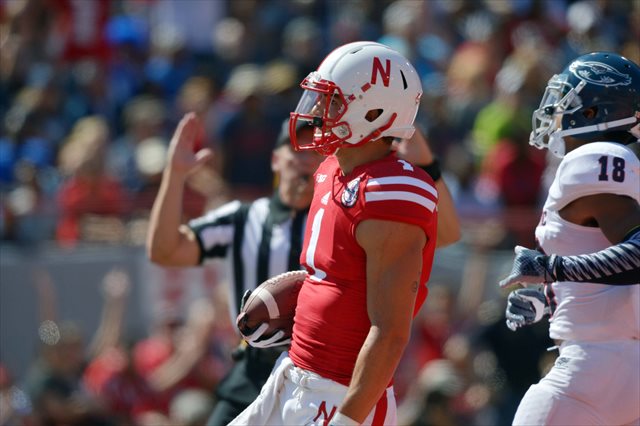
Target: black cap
x: 283, y: 138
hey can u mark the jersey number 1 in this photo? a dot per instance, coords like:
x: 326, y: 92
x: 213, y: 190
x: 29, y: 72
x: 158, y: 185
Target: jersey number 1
x: 318, y: 274
x: 617, y: 172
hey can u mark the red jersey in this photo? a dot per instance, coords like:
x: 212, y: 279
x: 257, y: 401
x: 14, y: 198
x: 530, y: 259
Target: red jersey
x: 331, y: 321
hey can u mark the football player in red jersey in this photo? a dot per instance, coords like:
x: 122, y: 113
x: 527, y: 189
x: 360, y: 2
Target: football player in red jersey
x: 368, y: 248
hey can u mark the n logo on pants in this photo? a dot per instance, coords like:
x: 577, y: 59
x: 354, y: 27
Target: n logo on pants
x: 322, y: 411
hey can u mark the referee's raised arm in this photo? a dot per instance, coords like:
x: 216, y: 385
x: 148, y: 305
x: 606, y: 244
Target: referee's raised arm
x: 169, y: 243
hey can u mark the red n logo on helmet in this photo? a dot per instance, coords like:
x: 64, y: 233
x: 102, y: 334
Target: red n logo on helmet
x: 384, y: 72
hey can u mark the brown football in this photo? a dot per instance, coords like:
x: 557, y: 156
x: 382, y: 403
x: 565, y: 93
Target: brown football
x: 272, y: 302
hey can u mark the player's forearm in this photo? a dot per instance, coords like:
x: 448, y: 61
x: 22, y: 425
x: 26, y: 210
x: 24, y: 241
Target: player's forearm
x: 373, y: 371
x: 166, y: 215
x: 448, y: 223
x: 615, y: 265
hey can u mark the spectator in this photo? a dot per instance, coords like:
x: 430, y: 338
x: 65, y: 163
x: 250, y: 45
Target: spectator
x: 88, y: 192
x: 173, y: 357
x: 248, y: 134
x: 54, y: 382
x: 191, y: 408
x: 15, y: 405
x: 144, y: 118
x: 59, y: 384
x: 126, y: 395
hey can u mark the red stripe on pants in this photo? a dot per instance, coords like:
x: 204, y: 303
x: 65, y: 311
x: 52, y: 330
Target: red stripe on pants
x: 381, y: 411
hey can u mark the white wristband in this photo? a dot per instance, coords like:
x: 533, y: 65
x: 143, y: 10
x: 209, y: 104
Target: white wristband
x: 340, y: 419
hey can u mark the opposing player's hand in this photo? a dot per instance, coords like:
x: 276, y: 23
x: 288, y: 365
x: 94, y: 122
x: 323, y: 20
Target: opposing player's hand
x: 526, y: 306
x: 182, y: 158
x: 529, y: 267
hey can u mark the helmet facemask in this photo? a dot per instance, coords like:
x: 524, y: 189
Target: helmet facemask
x: 322, y: 105
x: 559, y: 98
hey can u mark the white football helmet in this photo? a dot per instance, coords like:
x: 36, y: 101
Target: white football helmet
x: 354, y: 79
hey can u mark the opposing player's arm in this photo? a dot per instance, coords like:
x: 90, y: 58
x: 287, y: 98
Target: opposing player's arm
x: 394, y: 264
x: 169, y: 243
x: 615, y: 215
x: 619, y: 219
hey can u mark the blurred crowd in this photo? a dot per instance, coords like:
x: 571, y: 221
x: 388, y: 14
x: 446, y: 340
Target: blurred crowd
x: 116, y: 377
x: 90, y: 91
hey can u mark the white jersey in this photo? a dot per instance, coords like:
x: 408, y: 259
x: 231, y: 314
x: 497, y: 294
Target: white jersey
x: 590, y: 312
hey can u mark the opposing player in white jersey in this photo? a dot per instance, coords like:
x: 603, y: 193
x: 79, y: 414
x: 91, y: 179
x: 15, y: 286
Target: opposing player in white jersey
x: 368, y: 246
x: 589, y: 241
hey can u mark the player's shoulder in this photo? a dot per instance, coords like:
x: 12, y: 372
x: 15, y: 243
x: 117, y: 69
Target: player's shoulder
x: 599, y: 149
x: 594, y: 168
x: 391, y: 165
x: 594, y: 161
x: 392, y: 171
x: 399, y: 187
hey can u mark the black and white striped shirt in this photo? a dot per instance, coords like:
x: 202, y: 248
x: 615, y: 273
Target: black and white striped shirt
x: 258, y: 239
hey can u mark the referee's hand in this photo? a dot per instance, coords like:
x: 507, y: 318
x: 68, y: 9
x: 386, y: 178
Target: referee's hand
x: 183, y: 157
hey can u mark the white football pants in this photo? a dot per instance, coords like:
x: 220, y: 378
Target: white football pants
x: 293, y: 396
x: 591, y: 383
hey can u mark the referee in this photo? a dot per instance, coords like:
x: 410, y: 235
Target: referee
x: 259, y: 239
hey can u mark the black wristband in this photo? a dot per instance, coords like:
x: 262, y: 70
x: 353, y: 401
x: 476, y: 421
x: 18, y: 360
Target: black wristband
x: 433, y: 169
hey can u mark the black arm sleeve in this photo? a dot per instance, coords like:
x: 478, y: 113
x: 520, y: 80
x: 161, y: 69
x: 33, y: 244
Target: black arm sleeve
x: 615, y: 265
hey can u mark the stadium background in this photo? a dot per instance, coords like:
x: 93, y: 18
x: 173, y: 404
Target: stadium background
x: 90, y: 91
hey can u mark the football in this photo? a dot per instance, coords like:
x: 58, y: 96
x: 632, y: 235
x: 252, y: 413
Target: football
x: 272, y: 302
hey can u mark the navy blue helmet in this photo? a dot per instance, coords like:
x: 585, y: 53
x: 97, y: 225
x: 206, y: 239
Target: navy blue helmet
x: 596, y: 97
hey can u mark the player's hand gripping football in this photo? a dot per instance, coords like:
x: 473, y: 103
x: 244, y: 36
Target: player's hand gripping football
x: 256, y: 338
x: 181, y: 157
x: 526, y: 306
x: 530, y: 267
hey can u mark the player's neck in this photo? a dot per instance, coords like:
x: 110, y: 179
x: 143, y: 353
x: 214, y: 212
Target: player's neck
x: 351, y: 157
